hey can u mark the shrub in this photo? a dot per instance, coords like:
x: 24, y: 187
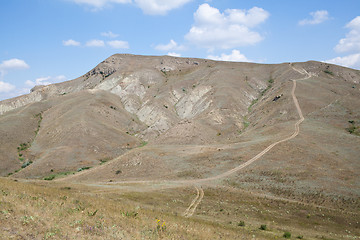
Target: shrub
x: 241, y: 224
x: 26, y: 164
x: 328, y: 72
x: 143, y: 143
x: 263, y: 227
x: 83, y: 168
x: 287, y: 235
x: 49, y: 178
x: 300, y: 237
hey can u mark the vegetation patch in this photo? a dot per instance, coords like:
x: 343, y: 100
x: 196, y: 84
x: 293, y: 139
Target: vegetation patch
x: 104, y: 160
x: 329, y: 72
x: 353, y: 128
x: 253, y: 102
x: 143, y: 143
x: 263, y: 227
x: 26, y: 164
x: 57, y: 175
x: 39, y: 116
x: 241, y: 224
x: 83, y: 168
x: 262, y: 93
x: 287, y: 235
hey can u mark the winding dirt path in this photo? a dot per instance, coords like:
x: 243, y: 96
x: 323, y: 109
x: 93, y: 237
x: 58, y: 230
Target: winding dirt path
x: 198, y: 199
x: 200, y: 193
x: 195, y: 202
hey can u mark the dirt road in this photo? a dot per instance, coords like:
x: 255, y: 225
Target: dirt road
x: 259, y: 155
x: 197, y: 182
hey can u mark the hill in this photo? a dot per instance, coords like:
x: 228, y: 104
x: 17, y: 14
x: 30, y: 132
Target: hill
x: 142, y: 123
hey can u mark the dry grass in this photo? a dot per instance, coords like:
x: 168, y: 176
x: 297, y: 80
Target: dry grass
x: 53, y: 210
x: 32, y: 211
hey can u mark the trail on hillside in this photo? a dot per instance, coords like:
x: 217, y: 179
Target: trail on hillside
x: 195, y: 202
x: 200, y: 193
x: 231, y: 171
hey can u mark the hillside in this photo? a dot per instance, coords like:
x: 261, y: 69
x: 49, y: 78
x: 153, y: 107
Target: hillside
x: 146, y: 125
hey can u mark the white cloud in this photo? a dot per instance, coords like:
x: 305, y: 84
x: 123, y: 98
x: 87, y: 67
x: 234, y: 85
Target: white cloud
x: 235, y: 56
x: 171, y: 46
x: 213, y: 29
x: 71, y: 42
x: 318, y: 17
x: 95, y: 43
x: 351, y: 43
x: 109, y: 34
x: 118, y: 44
x: 13, y: 64
x: 151, y: 7
x: 6, y: 87
x: 45, y: 80
x: 100, y: 4
x: 352, y: 61
x: 174, y: 54
x: 159, y: 7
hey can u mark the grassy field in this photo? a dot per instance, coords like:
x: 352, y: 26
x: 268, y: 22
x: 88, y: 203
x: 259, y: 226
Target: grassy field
x: 44, y: 210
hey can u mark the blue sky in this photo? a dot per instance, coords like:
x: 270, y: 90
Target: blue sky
x: 47, y: 41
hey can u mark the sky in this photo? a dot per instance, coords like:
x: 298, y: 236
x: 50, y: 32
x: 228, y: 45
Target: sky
x: 49, y: 41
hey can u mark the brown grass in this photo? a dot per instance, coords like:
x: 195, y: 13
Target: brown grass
x: 31, y: 211
x: 50, y: 210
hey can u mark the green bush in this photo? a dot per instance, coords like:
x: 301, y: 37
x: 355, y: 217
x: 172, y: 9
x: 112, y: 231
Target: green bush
x: 143, y: 143
x: 26, y: 164
x: 241, y: 224
x: 287, y: 235
x: 328, y: 72
x: 49, y: 178
x: 263, y: 227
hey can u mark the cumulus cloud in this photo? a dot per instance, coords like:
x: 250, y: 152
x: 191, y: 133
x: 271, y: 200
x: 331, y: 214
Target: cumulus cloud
x: 45, y: 80
x: 71, y: 42
x: 159, y: 7
x: 109, y: 34
x: 213, y: 29
x: 100, y: 4
x: 174, y: 54
x: 118, y: 44
x: 318, y: 17
x: 6, y: 87
x: 171, y: 46
x: 95, y: 43
x: 235, y: 56
x: 352, y: 61
x: 351, y: 43
x: 151, y: 7
x: 13, y: 63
